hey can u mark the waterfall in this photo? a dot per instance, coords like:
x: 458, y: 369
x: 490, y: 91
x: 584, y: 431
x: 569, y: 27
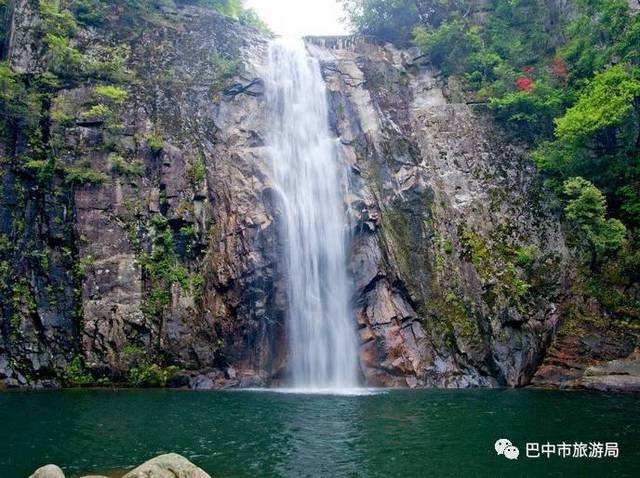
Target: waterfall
x: 307, y: 175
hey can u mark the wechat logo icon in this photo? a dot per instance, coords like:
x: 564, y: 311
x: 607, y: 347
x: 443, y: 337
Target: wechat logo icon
x: 506, y: 448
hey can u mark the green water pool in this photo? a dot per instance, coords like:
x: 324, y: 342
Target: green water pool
x: 435, y: 433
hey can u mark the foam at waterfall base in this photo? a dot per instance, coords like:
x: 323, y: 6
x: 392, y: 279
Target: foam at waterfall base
x: 344, y: 392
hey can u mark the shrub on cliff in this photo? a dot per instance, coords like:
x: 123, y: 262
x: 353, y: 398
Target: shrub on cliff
x: 75, y: 374
x: 151, y: 375
x: 587, y: 209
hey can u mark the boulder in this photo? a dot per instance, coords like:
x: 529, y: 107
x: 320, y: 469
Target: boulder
x: 170, y: 465
x: 48, y: 471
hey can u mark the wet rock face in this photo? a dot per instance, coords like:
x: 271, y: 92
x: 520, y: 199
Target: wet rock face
x: 207, y: 177
x: 173, y: 255
x: 24, y: 49
x: 458, y: 263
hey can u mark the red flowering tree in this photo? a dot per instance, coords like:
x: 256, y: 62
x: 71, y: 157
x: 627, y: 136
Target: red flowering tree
x: 559, y: 69
x: 525, y: 84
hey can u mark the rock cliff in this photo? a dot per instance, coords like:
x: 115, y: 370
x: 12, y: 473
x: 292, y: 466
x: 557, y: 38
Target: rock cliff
x: 458, y: 262
x: 153, y: 248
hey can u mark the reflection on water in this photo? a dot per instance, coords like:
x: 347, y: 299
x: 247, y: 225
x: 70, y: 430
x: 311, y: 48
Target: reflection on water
x: 273, y: 434
x: 319, y: 449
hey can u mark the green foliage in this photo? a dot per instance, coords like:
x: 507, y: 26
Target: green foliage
x: 394, y: 20
x: 75, y: 374
x: 22, y: 302
x: 111, y: 93
x: 187, y: 231
x: 142, y: 371
x: 475, y: 248
x: 12, y: 96
x: 233, y: 9
x: 163, y: 268
x: 453, y: 316
x: 123, y: 166
x: 155, y: 142
x: 61, y: 112
x: 58, y: 27
x: 604, y: 30
x: 249, y: 17
x: 99, y: 112
x: 197, y: 172
x: 224, y: 66
x: 57, y: 21
x: 608, y: 101
x: 450, y: 45
x: 229, y: 8
x: 530, y: 114
x: 599, y: 138
x: 510, y: 270
x: 586, y: 209
x: 84, y: 264
x: 133, y: 354
x: 526, y: 255
x: 90, y: 12
x: 197, y: 285
x: 505, y: 59
x: 5, y: 244
x: 108, y: 63
x: 10, y: 87
x: 83, y: 174
x: 151, y: 375
x: 63, y: 59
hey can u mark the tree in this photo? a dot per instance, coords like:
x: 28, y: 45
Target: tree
x: 608, y: 103
x: 604, y: 29
x: 449, y: 46
x: 391, y: 20
x: 394, y: 20
x: 587, y: 209
x: 599, y: 138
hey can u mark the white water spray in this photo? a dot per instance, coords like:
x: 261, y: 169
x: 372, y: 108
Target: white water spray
x: 322, y: 342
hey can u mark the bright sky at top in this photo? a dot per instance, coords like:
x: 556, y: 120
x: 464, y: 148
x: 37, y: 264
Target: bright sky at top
x: 297, y: 18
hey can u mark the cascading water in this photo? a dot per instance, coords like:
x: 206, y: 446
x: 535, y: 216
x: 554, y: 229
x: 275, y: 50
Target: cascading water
x: 321, y: 335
